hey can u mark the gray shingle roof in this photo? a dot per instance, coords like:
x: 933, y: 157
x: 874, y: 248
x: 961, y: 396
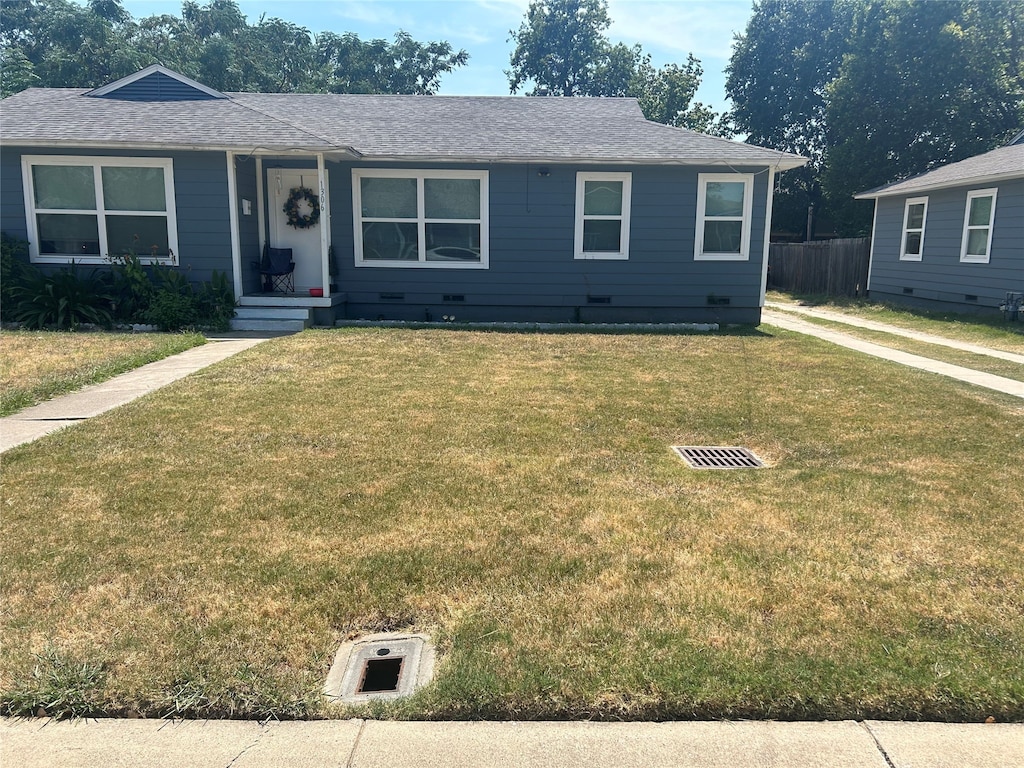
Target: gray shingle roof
x: 485, y: 128
x: 1001, y: 163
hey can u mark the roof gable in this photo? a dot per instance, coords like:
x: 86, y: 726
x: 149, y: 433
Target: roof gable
x: 156, y: 83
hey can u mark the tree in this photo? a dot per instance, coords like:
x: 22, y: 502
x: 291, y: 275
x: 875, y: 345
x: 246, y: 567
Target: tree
x: 923, y: 84
x: 347, y: 64
x: 561, y: 47
x: 64, y: 43
x: 57, y: 43
x: 777, y: 79
x: 873, y: 91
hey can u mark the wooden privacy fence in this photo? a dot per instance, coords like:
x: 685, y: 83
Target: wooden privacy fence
x: 830, y: 267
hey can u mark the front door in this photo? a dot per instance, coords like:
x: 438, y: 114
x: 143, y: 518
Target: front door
x: 304, y: 242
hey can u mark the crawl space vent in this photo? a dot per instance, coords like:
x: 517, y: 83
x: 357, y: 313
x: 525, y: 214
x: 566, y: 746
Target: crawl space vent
x: 717, y: 457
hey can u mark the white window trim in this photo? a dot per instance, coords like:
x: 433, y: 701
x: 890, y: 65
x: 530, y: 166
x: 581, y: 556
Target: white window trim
x: 582, y: 177
x: 699, y: 254
x: 421, y: 220
x: 971, y: 195
x: 27, y: 161
x: 904, y: 256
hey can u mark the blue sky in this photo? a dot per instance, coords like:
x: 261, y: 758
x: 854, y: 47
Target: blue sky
x: 667, y: 29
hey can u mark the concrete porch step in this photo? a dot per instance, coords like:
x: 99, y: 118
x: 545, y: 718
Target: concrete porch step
x: 271, y: 319
x: 280, y: 313
x: 250, y: 324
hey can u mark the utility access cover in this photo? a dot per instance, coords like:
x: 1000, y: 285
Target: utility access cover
x: 717, y: 457
x: 384, y: 666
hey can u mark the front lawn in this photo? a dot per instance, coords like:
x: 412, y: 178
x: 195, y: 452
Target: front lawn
x: 204, y: 551
x: 38, y: 365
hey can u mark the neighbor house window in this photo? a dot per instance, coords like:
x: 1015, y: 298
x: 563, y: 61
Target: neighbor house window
x: 978, y: 218
x: 914, y: 215
x: 602, y: 215
x: 420, y: 218
x: 724, y: 205
x: 87, y: 209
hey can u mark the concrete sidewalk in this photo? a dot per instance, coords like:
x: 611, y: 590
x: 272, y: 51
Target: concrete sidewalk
x: 871, y: 325
x: 362, y: 743
x: 978, y: 378
x: 32, y: 423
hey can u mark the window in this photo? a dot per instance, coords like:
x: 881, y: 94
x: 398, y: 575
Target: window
x: 724, y: 205
x: 978, y: 218
x: 602, y: 215
x: 914, y: 215
x: 88, y: 208
x: 405, y: 218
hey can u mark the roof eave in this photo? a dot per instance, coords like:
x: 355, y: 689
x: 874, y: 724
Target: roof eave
x: 783, y: 164
x: 259, y: 149
x: 889, y: 191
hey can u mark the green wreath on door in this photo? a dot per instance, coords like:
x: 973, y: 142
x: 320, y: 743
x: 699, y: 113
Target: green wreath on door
x: 291, y: 208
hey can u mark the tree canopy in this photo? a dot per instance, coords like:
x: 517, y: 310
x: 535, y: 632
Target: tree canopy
x: 873, y: 91
x: 57, y: 43
x: 562, y: 48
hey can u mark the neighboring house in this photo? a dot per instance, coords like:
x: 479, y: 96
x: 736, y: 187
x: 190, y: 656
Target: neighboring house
x: 482, y: 208
x: 952, y: 238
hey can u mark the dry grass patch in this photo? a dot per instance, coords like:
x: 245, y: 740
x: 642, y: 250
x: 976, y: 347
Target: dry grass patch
x: 514, y: 494
x: 38, y: 365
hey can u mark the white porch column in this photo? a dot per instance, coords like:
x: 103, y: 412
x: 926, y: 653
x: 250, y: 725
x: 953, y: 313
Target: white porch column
x: 325, y: 223
x: 236, y: 248
x: 261, y: 222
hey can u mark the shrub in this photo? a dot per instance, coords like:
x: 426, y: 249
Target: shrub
x: 14, y: 270
x: 173, y: 311
x: 63, y: 299
x: 217, y: 302
x: 133, y: 289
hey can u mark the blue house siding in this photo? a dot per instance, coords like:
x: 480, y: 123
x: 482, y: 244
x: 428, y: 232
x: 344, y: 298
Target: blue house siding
x: 940, y: 279
x: 532, y: 274
x: 200, y: 196
x: 12, y: 194
x: 248, y: 225
x: 157, y: 87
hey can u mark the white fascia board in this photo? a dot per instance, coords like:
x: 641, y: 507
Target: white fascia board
x: 246, y: 150
x: 152, y: 69
x: 918, y: 189
x: 773, y: 163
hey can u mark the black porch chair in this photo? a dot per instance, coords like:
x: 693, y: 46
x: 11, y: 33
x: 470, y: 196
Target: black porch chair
x: 278, y: 270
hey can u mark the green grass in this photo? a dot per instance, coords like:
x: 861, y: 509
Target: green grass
x: 38, y: 365
x: 204, y: 551
x: 987, y: 330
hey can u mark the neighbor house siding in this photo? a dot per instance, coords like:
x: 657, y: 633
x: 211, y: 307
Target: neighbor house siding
x: 940, y: 277
x: 532, y: 274
x: 200, y: 194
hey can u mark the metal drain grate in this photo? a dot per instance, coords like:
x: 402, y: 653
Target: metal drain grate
x: 717, y: 457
